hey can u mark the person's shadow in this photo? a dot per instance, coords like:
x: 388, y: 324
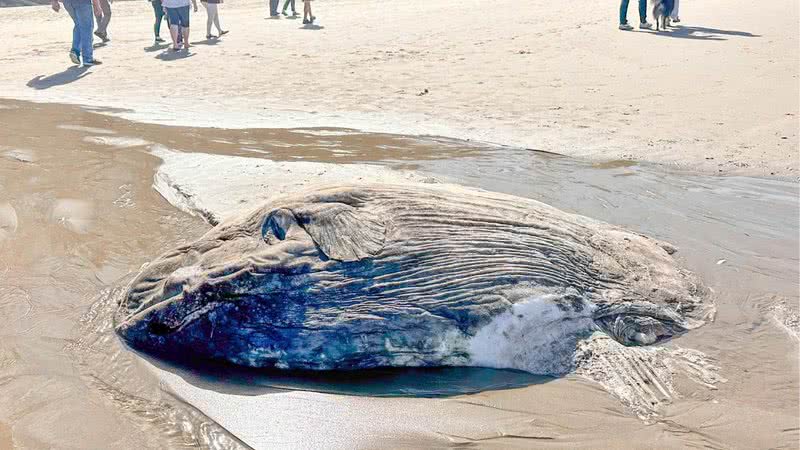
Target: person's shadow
x: 311, y: 26
x: 171, y: 55
x: 156, y: 47
x: 73, y: 73
x: 704, y: 33
x: 212, y: 41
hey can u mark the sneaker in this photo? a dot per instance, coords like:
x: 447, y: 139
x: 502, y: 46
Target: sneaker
x: 159, y: 40
x: 677, y: 20
x: 94, y: 62
x: 74, y: 57
x: 625, y: 27
x: 646, y: 26
x: 284, y: 13
x: 306, y: 21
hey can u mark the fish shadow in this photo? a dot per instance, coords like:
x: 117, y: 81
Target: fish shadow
x: 70, y: 75
x: 170, y: 55
x: 311, y: 26
x: 703, y: 33
x: 426, y: 382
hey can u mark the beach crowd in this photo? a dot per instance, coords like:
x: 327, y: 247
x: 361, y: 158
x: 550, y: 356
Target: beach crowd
x: 85, y: 13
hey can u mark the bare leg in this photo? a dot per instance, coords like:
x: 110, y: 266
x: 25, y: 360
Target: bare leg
x: 185, y: 37
x: 173, y: 32
x: 216, y: 19
x: 211, y: 9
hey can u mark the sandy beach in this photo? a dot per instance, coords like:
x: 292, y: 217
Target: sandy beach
x: 719, y: 94
x: 689, y: 136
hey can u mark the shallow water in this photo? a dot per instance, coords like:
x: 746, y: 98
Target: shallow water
x: 78, y: 217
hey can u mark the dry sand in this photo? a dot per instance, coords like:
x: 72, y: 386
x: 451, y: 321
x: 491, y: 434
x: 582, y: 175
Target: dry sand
x: 719, y: 94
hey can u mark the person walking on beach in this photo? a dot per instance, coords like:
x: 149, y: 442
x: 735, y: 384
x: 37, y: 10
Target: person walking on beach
x: 307, y: 12
x: 178, y: 18
x: 286, y: 5
x: 623, y: 16
x: 102, y: 12
x: 273, y: 9
x: 212, y: 11
x: 80, y: 11
x: 158, y: 11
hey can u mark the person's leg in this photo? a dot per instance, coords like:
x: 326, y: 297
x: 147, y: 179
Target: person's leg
x: 210, y: 9
x: 174, y: 28
x: 623, y: 12
x: 76, y: 37
x: 158, y: 10
x: 216, y: 19
x: 185, y: 26
x: 642, y: 11
x: 85, y: 22
x: 103, y: 26
x: 273, y: 7
x: 285, y: 5
x: 674, y: 14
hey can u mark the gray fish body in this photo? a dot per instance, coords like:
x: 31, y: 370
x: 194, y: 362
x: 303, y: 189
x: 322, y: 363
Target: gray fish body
x: 362, y: 276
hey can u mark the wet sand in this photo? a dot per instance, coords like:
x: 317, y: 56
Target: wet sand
x: 79, y: 216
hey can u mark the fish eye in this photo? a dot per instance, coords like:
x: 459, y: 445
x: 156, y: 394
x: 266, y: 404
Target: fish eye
x: 634, y: 330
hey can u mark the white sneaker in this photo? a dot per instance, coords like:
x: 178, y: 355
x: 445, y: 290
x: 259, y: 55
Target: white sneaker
x: 646, y: 26
x: 625, y: 27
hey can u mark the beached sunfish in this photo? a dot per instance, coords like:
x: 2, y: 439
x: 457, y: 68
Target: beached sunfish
x: 362, y: 276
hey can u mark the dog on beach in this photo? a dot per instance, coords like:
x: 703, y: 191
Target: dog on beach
x: 661, y: 12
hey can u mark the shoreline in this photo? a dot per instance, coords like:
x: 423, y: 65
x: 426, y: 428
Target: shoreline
x: 717, y: 95
x: 134, y: 116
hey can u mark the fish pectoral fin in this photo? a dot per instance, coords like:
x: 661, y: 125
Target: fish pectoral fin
x: 644, y: 379
x: 343, y: 232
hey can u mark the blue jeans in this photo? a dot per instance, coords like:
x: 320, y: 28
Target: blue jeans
x: 623, y: 11
x: 81, y: 13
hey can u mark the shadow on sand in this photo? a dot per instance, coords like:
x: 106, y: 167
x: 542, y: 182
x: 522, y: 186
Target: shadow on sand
x: 156, y: 47
x: 171, y: 55
x: 73, y: 73
x: 704, y: 33
x: 311, y: 26
x: 212, y: 41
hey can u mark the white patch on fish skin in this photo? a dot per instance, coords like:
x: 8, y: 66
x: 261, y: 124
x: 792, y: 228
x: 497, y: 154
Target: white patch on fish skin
x: 535, y: 335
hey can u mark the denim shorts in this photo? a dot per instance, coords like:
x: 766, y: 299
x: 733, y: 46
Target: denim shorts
x: 178, y: 16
